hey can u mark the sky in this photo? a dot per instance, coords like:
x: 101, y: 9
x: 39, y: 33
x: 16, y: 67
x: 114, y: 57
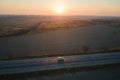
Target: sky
x: 69, y: 7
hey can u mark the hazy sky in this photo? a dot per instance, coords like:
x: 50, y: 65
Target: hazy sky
x: 71, y: 7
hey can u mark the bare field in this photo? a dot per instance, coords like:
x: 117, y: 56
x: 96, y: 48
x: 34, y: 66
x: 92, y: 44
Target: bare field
x: 40, y: 36
x: 19, y: 25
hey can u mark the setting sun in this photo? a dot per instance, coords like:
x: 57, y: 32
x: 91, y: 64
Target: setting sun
x: 59, y: 9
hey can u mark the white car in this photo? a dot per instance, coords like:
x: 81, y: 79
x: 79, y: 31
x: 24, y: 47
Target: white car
x: 60, y: 60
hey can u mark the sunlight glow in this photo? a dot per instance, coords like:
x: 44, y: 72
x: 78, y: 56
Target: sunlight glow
x: 59, y: 8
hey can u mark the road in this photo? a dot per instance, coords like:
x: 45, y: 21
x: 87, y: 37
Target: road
x: 49, y: 63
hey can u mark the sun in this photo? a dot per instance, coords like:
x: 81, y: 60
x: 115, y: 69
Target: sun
x: 59, y: 9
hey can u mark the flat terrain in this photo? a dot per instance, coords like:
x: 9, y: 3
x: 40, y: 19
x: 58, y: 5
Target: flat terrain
x: 23, y: 37
x: 20, y: 25
x: 40, y: 36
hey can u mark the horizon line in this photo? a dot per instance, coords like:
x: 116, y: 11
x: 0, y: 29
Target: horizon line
x: 58, y: 15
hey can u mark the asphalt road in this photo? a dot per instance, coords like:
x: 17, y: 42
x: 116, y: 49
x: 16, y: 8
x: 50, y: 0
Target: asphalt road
x: 49, y: 63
